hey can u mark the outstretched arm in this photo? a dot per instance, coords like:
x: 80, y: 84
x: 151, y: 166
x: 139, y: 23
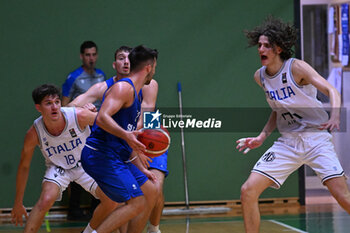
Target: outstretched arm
x: 90, y: 96
x: 30, y: 141
x: 304, y: 74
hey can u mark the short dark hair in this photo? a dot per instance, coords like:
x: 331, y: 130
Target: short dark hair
x: 122, y: 48
x: 40, y: 92
x: 140, y: 55
x: 87, y: 45
x: 279, y: 33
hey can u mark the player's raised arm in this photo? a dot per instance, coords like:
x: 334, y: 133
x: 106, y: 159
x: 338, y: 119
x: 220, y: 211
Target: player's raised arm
x: 118, y: 96
x: 92, y: 95
x: 30, y: 141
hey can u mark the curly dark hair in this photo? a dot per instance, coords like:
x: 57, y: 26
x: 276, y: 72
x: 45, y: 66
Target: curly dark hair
x: 279, y: 33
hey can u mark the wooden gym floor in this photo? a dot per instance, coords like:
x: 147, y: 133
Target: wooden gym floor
x: 327, y: 217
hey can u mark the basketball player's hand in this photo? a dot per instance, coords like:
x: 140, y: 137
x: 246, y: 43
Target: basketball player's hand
x: 136, y: 145
x: 150, y: 175
x: 145, y: 160
x: 247, y: 144
x: 91, y: 107
x: 331, y: 125
x: 17, y: 214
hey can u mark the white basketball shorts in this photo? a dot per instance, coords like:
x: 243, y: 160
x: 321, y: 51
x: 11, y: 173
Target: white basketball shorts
x: 292, y: 150
x: 62, y: 177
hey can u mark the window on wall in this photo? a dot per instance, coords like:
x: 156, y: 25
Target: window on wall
x: 315, y: 40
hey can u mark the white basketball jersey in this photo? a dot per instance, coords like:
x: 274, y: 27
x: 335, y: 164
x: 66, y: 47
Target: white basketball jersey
x: 65, y: 149
x: 296, y: 106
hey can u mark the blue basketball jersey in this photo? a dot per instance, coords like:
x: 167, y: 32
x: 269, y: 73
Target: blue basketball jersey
x: 110, y: 83
x: 126, y: 118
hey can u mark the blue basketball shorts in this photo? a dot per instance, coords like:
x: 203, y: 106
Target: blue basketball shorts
x: 160, y: 163
x: 119, y: 180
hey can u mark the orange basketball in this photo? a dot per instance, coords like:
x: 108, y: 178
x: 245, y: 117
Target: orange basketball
x: 157, y: 141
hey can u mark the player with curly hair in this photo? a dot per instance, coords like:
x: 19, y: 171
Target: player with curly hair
x: 290, y: 86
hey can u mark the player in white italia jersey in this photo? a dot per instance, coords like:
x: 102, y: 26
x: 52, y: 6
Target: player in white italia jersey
x: 63, y: 150
x: 290, y: 86
x: 60, y: 133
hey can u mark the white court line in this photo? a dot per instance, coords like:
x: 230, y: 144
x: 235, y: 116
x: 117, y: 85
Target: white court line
x: 287, y: 226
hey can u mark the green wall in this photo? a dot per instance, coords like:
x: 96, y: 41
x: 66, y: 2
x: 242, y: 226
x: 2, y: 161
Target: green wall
x: 201, y: 44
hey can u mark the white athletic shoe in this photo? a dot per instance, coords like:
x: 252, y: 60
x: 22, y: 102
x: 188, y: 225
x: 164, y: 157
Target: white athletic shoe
x: 154, y: 231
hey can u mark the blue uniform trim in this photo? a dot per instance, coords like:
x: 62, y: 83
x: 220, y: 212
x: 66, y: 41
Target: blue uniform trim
x: 264, y: 173
x: 332, y: 176
x: 98, y: 71
x: 67, y: 85
x: 53, y: 181
x: 109, y: 83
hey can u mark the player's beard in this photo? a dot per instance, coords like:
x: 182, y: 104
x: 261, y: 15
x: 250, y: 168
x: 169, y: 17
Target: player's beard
x: 149, y: 78
x: 148, y: 81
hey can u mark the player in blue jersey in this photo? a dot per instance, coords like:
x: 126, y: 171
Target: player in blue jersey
x: 81, y: 79
x: 60, y: 133
x: 149, y: 92
x: 107, y: 154
x: 290, y: 86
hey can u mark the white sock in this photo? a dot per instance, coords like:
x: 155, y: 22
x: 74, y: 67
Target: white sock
x: 88, y: 229
x: 152, y: 228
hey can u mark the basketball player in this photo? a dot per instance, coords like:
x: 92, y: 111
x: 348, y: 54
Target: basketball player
x: 290, y: 86
x: 60, y: 133
x: 106, y: 156
x: 158, y: 166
